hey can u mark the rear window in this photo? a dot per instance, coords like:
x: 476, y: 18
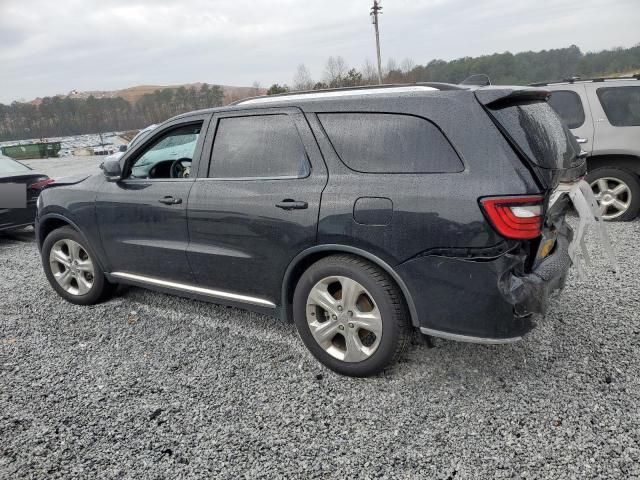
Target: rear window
x: 389, y: 143
x: 568, y: 105
x: 537, y: 129
x: 621, y: 104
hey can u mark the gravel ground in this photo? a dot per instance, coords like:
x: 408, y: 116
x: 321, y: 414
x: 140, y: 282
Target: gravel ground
x: 153, y: 386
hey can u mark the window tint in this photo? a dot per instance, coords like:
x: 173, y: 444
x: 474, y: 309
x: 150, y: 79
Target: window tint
x: 621, y: 104
x: 157, y: 161
x: 569, y: 106
x: 258, y: 146
x: 536, y: 128
x: 389, y: 143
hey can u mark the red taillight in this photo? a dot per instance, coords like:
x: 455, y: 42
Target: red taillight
x: 515, y: 217
x: 40, y: 184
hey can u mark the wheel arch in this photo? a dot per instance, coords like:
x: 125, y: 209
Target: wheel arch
x: 306, y: 258
x: 630, y: 163
x: 50, y: 222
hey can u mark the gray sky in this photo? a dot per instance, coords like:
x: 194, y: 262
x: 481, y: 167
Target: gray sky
x: 54, y: 46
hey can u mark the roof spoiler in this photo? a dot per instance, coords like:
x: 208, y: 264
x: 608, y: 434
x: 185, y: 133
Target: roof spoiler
x: 478, y: 80
x: 501, y: 96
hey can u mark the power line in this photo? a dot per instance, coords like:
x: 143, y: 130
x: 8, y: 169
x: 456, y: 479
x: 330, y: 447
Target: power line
x: 375, y: 11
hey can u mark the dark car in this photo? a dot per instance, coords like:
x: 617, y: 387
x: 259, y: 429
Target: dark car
x: 361, y: 215
x: 19, y: 190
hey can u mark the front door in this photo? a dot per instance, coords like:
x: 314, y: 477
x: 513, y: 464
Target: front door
x: 255, y: 205
x: 142, y: 218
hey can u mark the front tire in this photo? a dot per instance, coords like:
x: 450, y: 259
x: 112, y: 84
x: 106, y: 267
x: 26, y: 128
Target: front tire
x: 72, y: 270
x: 351, y: 315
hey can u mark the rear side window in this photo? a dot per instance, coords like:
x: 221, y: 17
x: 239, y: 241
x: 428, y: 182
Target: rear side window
x: 537, y: 129
x: 569, y: 106
x: 621, y: 104
x: 261, y: 146
x: 389, y: 143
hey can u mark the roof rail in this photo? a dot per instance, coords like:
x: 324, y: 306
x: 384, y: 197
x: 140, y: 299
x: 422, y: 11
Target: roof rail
x: 341, y: 91
x: 635, y: 76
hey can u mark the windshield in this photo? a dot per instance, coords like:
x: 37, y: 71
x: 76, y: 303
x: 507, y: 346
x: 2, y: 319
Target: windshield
x: 540, y: 133
x: 8, y: 165
x: 141, y: 134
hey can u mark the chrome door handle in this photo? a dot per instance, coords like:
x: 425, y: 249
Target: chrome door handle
x: 581, y: 140
x: 169, y: 200
x: 289, y: 204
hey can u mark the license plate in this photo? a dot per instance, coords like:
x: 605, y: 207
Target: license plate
x: 546, y: 245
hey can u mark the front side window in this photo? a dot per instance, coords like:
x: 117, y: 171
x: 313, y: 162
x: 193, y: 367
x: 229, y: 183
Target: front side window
x: 568, y: 105
x: 260, y: 146
x: 389, y: 143
x: 621, y: 104
x: 170, y: 156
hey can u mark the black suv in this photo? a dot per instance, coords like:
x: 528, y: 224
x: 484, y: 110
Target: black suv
x: 361, y: 215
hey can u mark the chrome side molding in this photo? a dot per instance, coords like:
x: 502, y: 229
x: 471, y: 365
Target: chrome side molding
x: 193, y: 289
x: 468, y: 339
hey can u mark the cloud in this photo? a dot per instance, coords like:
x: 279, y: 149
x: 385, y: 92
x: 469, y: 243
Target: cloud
x: 51, y: 47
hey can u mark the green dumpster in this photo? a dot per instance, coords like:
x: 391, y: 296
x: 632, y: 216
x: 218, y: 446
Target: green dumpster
x: 32, y: 150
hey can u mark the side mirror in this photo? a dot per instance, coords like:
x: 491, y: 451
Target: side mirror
x: 112, y: 170
x: 123, y: 148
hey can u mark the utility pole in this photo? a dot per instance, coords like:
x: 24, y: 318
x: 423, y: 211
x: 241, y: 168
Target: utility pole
x: 375, y: 10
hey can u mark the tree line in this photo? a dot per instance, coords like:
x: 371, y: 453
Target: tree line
x: 502, y: 68
x: 59, y: 116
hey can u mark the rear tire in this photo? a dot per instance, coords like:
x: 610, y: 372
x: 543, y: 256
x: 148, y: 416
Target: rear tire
x: 351, y: 315
x: 617, y: 192
x: 72, y: 268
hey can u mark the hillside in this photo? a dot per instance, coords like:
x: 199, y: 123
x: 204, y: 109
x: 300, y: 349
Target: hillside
x: 135, y: 93
x: 138, y: 106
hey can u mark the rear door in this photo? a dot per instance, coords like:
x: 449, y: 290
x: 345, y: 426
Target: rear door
x: 255, y: 204
x: 616, y: 110
x: 143, y: 217
x: 572, y: 105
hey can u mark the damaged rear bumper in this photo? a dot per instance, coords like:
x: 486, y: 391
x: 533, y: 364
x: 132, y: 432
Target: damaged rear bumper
x: 484, y: 301
x: 530, y: 293
x: 490, y: 298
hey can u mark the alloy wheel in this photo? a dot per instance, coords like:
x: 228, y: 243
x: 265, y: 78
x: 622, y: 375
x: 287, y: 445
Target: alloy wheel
x: 344, y: 319
x: 613, y: 195
x: 71, y: 266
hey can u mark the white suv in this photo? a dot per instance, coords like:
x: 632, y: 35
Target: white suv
x: 604, y: 114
